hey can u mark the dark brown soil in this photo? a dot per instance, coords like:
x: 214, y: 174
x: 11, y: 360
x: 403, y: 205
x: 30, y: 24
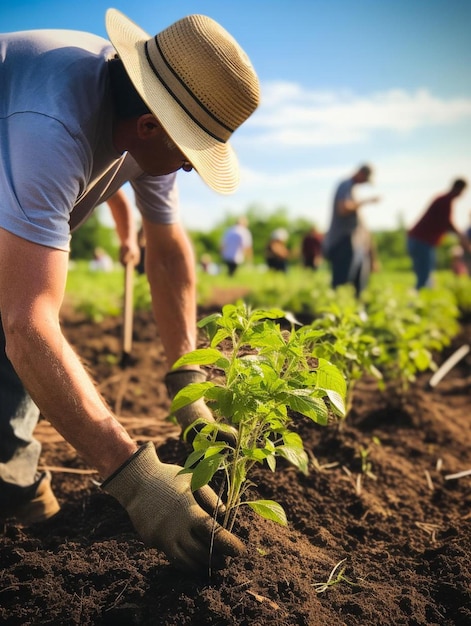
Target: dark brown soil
x: 403, y: 534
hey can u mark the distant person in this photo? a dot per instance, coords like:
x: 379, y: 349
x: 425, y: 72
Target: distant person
x: 208, y: 265
x: 466, y: 250
x: 458, y: 265
x: 311, y: 249
x: 236, y: 245
x: 424, y: 237
x: 101, y: 262
x: 348, y: 244
x: 277, y: 252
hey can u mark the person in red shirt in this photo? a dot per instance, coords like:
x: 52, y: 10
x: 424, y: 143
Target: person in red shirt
x: 426, y: 234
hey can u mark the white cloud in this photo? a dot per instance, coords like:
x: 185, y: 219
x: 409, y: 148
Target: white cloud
x: 301, y: 143
x: 293, y: 116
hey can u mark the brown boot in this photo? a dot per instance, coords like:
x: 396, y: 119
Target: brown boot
x: 40, y: 507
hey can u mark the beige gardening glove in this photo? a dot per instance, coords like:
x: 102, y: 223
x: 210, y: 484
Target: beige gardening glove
x: 167, y: 515
x: 177, y: 380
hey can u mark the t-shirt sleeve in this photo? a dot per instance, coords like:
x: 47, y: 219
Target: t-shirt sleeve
x: 157, y: 197
x: 42, y: 173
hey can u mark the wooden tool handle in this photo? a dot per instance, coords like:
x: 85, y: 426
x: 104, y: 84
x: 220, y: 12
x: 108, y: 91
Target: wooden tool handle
x: 128, y: 307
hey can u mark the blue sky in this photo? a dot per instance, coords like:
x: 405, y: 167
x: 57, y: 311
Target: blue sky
x: 343, y: 82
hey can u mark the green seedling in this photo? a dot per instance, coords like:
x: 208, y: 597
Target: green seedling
x: 366, y: 465
x: 336, y: 576
x: 339, y: 335
x: 269, y: 377
x: 409, y: 329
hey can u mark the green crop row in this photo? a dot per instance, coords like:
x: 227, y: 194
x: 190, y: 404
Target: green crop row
x: 269, y: 374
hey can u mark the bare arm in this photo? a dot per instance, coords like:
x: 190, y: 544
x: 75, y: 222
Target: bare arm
x: 349, y: 205
x: 464, y: 241
x: 170, y: 268
x: 122, y: 213
x: 32, y: 282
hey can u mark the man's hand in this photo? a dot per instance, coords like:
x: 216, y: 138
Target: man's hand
x: 129, y: 252
x: 122, y: 212
x: 186, y: 416
x: 168, y: 516
x: 372, y: 200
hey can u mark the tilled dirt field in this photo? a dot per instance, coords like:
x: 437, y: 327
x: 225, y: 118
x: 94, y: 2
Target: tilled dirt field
x: 403, y: 534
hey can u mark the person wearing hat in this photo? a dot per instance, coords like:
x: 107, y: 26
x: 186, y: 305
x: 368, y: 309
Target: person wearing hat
x: 79, y: 116
x: 276, y: 250
x: 347, y: 244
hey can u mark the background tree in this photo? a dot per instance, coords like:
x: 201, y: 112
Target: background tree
x: 93, y: 234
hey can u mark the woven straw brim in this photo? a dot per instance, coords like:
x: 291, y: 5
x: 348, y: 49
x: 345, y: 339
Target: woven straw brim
x: 214, y: 161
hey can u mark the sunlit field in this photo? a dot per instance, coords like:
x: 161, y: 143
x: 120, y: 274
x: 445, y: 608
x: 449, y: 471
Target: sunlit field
x: 100, y: 294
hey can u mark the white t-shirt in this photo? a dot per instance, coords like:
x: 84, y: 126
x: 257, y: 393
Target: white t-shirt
x: 236, y: 241
x: 57, y: 160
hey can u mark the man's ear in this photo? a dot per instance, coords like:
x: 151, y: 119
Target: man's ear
x: 148, y: 126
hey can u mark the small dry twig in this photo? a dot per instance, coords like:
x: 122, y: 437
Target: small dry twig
x: 263, y: 599
x: 118, y: 597
x: 458, y: 475
x: 430, y: 529
x: 320, y: 467
x: 356, y: 482
x: 66, y: 470
x: 429, y: 480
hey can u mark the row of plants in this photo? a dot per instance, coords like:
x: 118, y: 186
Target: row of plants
x: 392, y: 332
x: 99, y: 294
x: 271, y: 369
x: 269, y: 374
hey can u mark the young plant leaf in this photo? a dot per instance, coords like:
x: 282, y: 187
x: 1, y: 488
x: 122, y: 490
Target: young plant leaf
x: 330, y: 378
x: 209, y: 323
x: 203, y: 356
x: 224, y: 399
x: 337, y: 402
x: 299, y: 400
x: 209, y: 319
x: 189, y: 394
x: 295, y: 456
x: 269, y: 510
x: 219, y: 336
x: 205, y: 470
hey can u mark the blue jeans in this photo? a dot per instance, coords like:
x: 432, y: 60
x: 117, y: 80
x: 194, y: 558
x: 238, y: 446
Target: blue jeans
x: 19, y: 451
x: 423, y: 261
x: 349, y: 265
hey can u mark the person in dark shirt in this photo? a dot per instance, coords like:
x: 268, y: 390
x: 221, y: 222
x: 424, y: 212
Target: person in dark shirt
x: 424, y: 237
x: 311, y: 249
x: 277, y: 252
x: 347, y: 244
x: 467, y: 251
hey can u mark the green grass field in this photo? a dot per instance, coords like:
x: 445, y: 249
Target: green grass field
x: 99, y: 294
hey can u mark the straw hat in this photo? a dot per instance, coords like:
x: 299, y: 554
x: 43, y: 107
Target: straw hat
x: 198, y: 82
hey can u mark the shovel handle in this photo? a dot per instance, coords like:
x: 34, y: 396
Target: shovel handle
x: 128, y: 307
